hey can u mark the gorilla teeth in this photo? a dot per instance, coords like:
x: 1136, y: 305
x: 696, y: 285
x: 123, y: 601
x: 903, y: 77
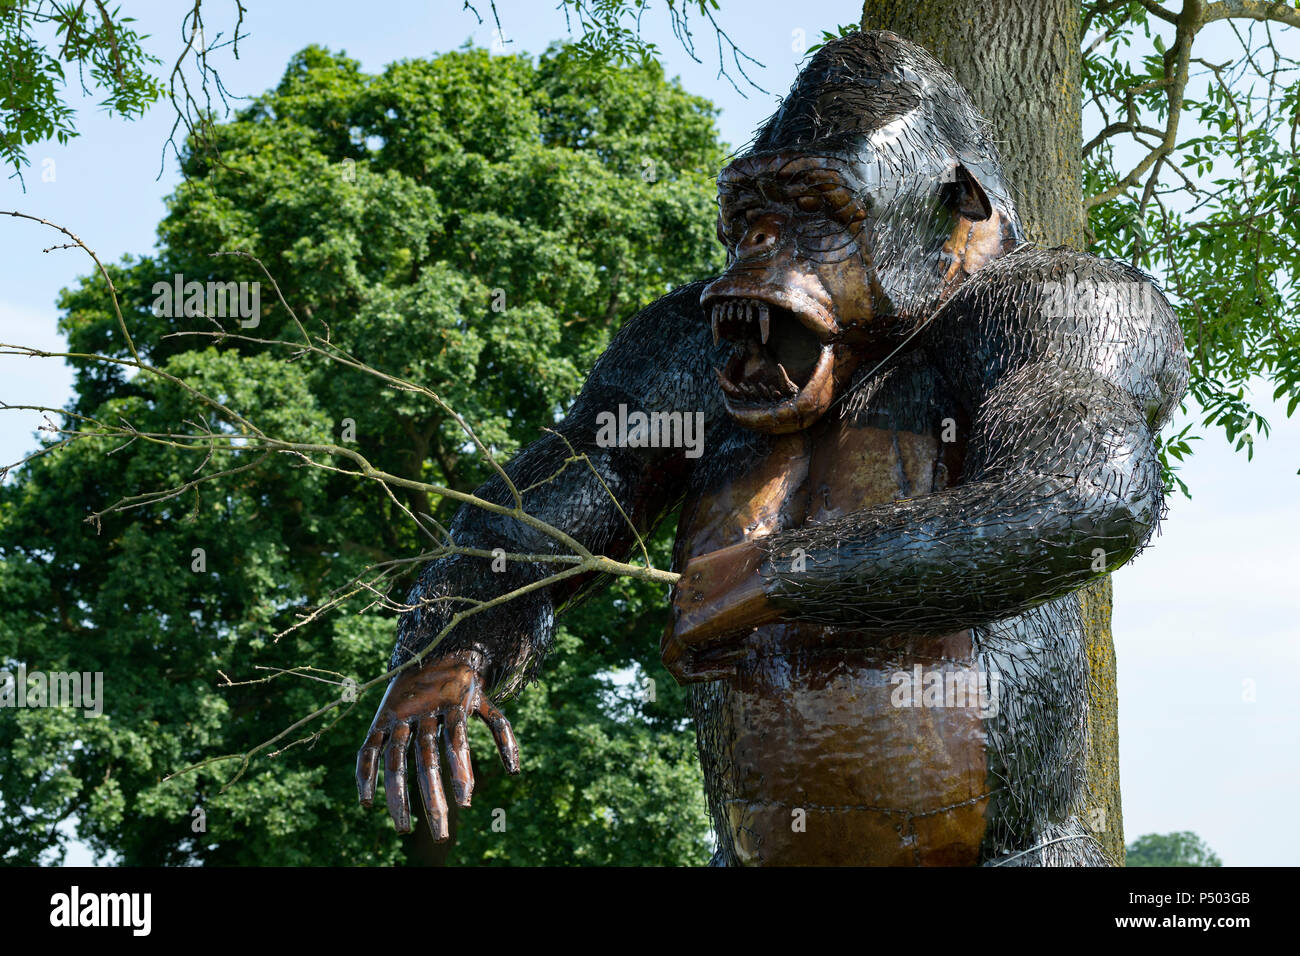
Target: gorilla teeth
x: 736, y: 317
x: 750, y: 320
x: 790, y: 387
x: 753, y: 374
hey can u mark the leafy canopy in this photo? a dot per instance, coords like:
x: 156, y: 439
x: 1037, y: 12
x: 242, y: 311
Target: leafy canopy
x: 1193, y: 175
x: 396, y: 210
x: 1171, y: 849
x: 40, y: 41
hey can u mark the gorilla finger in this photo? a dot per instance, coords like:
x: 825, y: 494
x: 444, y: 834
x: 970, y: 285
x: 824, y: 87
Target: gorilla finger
x: 502, y: 733
x: 426, y: 771
x: 395, y: 778
x: 368, y: 767
x: 455, y: 740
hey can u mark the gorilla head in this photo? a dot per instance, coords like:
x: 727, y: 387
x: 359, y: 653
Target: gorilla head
x: 869, y: 195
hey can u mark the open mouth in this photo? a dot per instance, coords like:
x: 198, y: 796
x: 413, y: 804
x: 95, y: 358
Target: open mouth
x: 775, y: 355
x: 780, y: 375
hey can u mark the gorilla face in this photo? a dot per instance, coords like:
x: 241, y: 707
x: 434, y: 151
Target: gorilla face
x: 799, y: 280
x: 867, y: 197
x: 806, y: 298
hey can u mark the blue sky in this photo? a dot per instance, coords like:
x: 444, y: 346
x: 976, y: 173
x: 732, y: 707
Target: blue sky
x: 1207, y: 613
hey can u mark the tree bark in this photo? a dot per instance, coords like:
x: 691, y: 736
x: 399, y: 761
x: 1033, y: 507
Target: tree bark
x: 1020, y: 60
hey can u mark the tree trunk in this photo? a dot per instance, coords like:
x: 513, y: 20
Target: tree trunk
x: 1020, y: 61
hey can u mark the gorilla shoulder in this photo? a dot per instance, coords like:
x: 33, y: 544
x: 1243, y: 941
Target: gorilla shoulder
x: 1085, y: 313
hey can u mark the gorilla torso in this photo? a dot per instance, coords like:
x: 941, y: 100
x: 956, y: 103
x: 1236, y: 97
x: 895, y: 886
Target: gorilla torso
x: 807, y: 756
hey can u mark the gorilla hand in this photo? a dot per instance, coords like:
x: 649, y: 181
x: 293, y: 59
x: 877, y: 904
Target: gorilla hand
x: 442, y: 693
x: 718, y: 599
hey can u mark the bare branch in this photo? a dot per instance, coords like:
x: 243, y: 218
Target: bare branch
x: 1156, y: 10
x: 1264, y: 10
x: 1175, y: 85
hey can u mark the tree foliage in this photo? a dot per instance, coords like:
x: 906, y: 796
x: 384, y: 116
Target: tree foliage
x: 1171, y: 849
x: 1193, y: 175
x: 40, y: 42
x: 399, y: 211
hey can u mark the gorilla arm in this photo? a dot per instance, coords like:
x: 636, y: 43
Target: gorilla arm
x: 660, y: 361
x: 1061, y: 483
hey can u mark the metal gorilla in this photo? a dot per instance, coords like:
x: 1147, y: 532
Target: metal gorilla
x: 922, y: 436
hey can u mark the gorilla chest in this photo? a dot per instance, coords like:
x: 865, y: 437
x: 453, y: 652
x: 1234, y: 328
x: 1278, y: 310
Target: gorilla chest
x: 817, y: 475
x: 807, y: 755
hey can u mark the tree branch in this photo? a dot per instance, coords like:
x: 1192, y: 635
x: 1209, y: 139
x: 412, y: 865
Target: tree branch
x: 1251, y: 10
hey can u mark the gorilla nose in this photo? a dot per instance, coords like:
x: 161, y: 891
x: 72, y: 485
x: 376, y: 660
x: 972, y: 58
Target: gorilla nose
x: 763, y: 235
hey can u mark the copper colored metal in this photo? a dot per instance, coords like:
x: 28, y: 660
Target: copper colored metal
x: 420, y: 705
x: 821, y: 769
x: 921, y: 438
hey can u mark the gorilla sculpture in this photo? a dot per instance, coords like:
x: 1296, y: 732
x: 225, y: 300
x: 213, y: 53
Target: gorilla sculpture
x: 922, y: 435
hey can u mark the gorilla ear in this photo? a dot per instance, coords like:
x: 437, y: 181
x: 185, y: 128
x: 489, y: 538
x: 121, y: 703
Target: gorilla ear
x: 964, y: 195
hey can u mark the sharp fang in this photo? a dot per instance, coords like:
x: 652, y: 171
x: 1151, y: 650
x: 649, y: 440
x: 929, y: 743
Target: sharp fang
x: 716, y: 337
x: 790, y: 387
x: 764, y: 323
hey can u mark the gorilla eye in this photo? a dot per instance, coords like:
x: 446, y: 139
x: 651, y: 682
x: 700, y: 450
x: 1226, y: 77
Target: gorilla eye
x: 731, y: 229
x: 808, y: 203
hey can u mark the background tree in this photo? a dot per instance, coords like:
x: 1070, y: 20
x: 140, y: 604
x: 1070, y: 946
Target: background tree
x: 41, y: 40
x: 480, y: 224
x: 1171, y: 849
